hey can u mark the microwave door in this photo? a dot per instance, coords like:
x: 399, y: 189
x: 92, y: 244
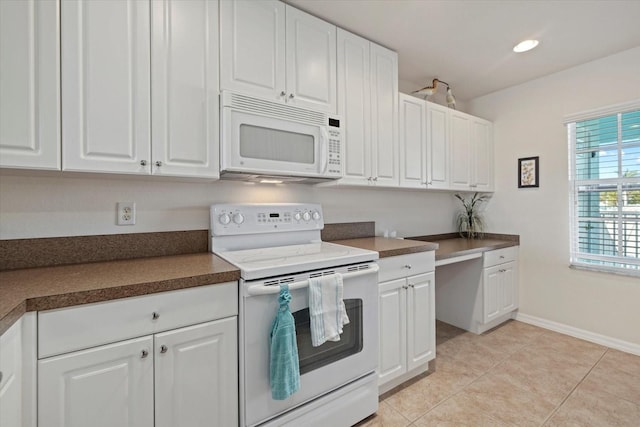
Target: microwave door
x: 267, y: 145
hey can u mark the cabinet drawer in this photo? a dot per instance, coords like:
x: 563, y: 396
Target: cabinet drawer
x: 74, y: 328
x: 500, y: 256
x: 406, y: 265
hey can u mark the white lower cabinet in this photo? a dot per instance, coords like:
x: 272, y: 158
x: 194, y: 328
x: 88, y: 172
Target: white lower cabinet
x: 182, y: 376
x: 479, y: 294
x: 196, y: 380
x: 111, y: 385
x: 17, y: 373
x: 407, y: 317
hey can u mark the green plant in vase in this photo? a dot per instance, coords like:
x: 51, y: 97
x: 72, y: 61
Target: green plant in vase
x: 469, y: 220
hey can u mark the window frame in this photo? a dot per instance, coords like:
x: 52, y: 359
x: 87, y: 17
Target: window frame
x: 585, y: 260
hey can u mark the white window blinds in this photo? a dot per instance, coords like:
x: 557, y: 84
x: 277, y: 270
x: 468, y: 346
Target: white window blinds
x: 605, y: 191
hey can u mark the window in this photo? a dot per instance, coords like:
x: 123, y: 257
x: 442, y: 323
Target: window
x: 605, y: 190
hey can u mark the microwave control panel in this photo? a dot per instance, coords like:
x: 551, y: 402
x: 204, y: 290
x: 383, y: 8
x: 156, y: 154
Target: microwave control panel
x: 335, y: 145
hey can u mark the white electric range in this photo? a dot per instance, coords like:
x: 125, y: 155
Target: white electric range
x: 273, y: 244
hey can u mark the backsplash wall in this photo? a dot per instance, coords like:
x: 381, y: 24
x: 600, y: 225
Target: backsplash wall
x: 54, y: 205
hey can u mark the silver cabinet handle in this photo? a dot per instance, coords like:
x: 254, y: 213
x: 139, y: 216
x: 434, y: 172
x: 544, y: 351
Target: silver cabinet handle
x: 370, y: 178
x: 291, y: 96
x: 158, y: 163
x: 412, y: 286
x: 375, y: 179
x: 144, y: 354
x: 429, y: 182
x: 143, y: 163
x: 405, y: 287
x: 283, y: 93
x: 407, y: 266
x: 163, y: 349
x: 155, y: 315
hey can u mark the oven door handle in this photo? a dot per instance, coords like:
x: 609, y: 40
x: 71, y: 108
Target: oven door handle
x: 273, y: 289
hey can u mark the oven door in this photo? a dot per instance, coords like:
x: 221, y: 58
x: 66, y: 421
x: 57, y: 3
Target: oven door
x: 257, y: 144
x: 322, y: 369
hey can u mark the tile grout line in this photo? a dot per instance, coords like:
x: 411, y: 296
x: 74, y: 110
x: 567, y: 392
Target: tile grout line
x: 557, y: 408
x: 463, y: 388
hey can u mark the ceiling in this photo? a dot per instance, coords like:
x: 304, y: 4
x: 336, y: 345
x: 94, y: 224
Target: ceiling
x: 468, y: 43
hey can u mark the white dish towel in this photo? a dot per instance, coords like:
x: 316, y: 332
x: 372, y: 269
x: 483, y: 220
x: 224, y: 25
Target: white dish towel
x: 326, y: 309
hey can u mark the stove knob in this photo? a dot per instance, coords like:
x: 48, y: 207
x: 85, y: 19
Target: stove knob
x: 238, y: 218
x: 224, y: 219
x: 297, y: 216
x: 316, y: 215
x: 306, y: 216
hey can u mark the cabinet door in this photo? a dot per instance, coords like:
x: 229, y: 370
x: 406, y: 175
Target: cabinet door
x: 384, y: 117
x: 508, y: 287
x: 197, y: 375
x: 11, y: 380
x: 105, y: 386
x: 185, y: 88
x: 437, y: 156
x: 30, y: 85
x: 311, y: 61
x: 392, y: 361
x: 252, y: 47
x: 460, y: 142
x: 491, y: 293
x: 105, y: 86
x: 354, y: 107
x: 412, y: 142
x: 421, y: 320
x: 482, y: 141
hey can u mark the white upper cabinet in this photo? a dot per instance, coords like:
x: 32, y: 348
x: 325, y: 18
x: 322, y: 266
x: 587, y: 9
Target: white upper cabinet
x: 412, y: 142
x: 438, y: 156
x: 311, y: 61
x: 120, y: 61
x: 460, y: 145
x: 29, y: 84
x: 252, y: 47
x: 105, y: 86
x: 368, y: 104
x: 471, y: 145
x: 384, y: 101
x: 354, y: 106
x: 184, y: 88
x: 482, y: 140
x: 275, y: 51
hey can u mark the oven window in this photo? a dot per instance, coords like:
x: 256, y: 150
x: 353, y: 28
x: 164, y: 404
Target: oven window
x: 273, y: 144
x: 350, y: 340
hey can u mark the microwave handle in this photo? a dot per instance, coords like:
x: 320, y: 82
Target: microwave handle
x: 272, y: 289
x: 324, y: 149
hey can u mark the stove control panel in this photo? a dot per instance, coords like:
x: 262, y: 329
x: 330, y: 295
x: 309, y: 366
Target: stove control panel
x: 256, y: 218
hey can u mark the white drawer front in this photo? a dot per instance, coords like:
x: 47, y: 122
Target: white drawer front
x: 500, y: 256
x: 396, y: 267
x: 74, y: 328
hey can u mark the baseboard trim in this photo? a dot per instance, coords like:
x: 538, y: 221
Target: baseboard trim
x: 593, y: 337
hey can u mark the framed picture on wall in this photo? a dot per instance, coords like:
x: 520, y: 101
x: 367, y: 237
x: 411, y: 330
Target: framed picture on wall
x: 529, y: 172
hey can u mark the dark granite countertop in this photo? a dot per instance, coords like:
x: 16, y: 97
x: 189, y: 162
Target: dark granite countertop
x: 45, y: 288
x: 387, y: 247
x: 452, y: 245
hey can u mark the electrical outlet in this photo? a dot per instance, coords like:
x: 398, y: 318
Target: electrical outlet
x: 126, y: 213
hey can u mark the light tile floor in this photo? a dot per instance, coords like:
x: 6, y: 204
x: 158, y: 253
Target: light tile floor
x: 516, y: 375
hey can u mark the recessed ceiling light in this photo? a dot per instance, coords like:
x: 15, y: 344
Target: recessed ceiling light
x: 525, y: 45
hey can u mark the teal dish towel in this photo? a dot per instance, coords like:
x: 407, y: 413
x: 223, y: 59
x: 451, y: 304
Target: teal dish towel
x: 284, y: 364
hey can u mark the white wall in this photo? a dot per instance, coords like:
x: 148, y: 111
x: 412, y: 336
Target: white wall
x: 36, y: 205
x: 528, y: 122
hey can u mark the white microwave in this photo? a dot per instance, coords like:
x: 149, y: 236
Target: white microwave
x: 268, y: 141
